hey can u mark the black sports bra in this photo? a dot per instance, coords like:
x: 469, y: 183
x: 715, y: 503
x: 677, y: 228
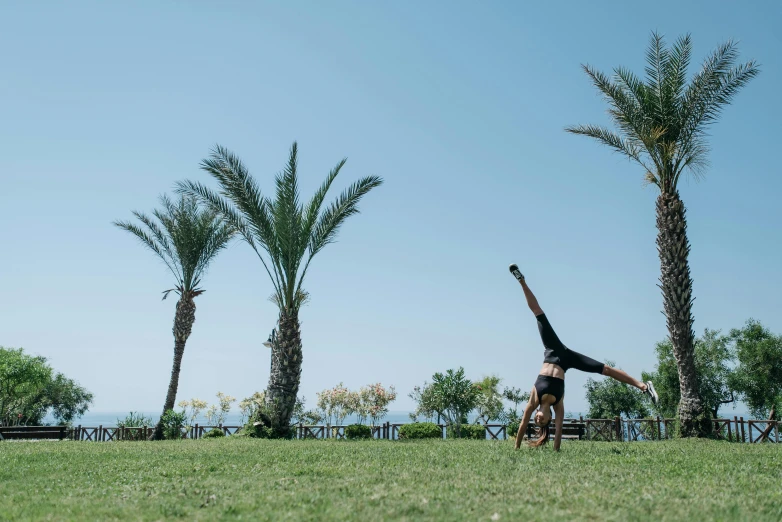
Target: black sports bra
x: 546, y: 384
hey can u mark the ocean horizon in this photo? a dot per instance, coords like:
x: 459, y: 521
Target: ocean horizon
x: 233, y: 418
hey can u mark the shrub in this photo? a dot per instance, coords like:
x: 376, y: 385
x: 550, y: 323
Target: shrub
x: 134, y: 420
x: 172, y: 423
x: 214, y: 433
x: 451, y: 396
x: 420, y: 430
x: 512, y: 422
x: 358, y: 431
x: 261, y: 427
x: 468, y: 431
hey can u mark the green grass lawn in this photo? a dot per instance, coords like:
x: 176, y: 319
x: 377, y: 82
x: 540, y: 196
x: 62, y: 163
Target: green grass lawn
x: 248, y: 479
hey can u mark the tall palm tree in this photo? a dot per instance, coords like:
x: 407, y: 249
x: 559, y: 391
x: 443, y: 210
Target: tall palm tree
x: 187, y: 238
x: 286, y: 236
x: 662, y: 125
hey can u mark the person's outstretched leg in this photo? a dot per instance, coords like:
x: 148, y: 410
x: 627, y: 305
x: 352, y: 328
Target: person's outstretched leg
x: 622, y: 376
x: 531, y: 301
x: 587, y: 364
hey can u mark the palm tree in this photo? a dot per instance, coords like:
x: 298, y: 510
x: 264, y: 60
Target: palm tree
x: 285, y: 235
x: 662, y: 124
x: 187, y: 238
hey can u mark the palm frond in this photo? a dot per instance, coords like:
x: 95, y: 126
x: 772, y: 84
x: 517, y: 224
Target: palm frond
x: 710, y: 91
x: 326, y: 229
x: 149, y: 242
x: 657, y: 57
x: 157, y: 233
x: 675, y: 79
x: 192, y: 237
x: 287, y: 216
x: 346, y: 205
x: 612, y: 140
x: 312, y: 209
x: 625, y: 107
x: 632, y: 86
x: 662, y: 119
x: 282, y: 229
x: 238, y: 187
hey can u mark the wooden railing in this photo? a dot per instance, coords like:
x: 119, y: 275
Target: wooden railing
x: 617, y: 429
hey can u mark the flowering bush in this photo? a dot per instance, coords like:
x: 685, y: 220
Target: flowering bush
x: 376, y: 398
x: 334, y: 404
x: 370, y: 402
x: 216, y: 413
x: 196, y: 406
x: 250, y: 406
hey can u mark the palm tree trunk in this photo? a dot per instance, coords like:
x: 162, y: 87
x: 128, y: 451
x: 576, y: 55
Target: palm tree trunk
x: 676, y: 284
x: 285, y: 373
x: 183, y: 325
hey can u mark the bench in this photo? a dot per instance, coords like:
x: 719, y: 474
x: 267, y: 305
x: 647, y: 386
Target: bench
x: 570, y: 430
x: 33, y: 432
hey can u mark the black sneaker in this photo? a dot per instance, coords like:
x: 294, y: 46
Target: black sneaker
x: 514, y: 269
x: 650, y: 391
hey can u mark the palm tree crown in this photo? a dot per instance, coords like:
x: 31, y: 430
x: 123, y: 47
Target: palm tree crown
x: 186, y: 237
x: 284, y: 233
x: 663, y: 120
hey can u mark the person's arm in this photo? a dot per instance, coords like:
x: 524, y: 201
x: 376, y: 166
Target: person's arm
x: 531, y: 405
x: 559, y: 411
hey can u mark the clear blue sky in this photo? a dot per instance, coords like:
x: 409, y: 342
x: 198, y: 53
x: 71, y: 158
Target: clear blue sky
x: 460, y: 106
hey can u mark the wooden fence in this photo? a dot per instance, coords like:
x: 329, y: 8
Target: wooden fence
x: 615, y: 430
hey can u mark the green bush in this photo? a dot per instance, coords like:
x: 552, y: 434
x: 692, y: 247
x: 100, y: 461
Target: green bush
x: 512, y: 424
x: 261, y: 429
x: 420, y: 430
x: 134, y: 420
x: 214, y: 433
x: 469, y: 431
x: 172, y: 423
x: 358, y: 431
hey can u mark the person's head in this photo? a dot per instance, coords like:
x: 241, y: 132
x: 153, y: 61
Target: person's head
x: 543, y: 421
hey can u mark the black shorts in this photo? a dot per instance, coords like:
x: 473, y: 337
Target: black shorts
x: 559, y: 354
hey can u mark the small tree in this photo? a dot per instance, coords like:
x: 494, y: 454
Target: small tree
x: 510, y: 416
x: 489, y: 399
x: 425, y: 406
x: 30, y: 389
x: 608, y: 398
x: 186, y: 238
x: 758, y: 376
x: 335, y: 404
x: 454, y: 397
x: 377, y: 398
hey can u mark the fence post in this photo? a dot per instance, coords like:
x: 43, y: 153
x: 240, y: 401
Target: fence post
x: 743, y: 434
x: 776, y: 428
x: 100, y: 433
x: 195, y: 434
x: 659, y: 429
x: 618, y: 422
x: 730, y: 436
